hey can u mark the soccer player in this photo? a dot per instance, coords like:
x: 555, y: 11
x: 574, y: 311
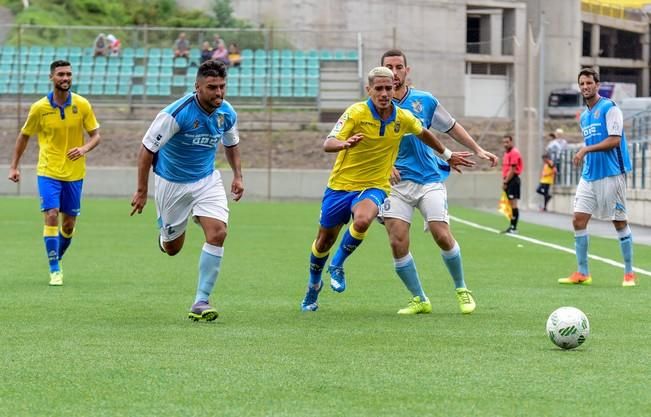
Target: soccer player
x: 180, y: 145
x: 512, y: 167
x: 59, y: 120
x: 366, y: 138
x: 417, y: 182
x: 602, y: 188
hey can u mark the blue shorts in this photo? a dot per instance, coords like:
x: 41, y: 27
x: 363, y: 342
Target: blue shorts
x: 62, y: 195
x: 337, y: 206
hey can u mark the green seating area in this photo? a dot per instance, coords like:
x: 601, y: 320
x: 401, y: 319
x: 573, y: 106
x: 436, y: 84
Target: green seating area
x: 155, y: 72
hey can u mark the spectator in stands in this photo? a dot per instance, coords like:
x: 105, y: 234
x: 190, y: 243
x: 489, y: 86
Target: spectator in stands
x: 234, y: 55
x: 206, y: 52
x: 221, y: 54
x: 101, y: 47
x: 114, y: 44
x: 181, y: 46
x: 556, y: 145
x: 216, y: 41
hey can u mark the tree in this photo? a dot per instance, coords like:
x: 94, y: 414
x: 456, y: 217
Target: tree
x: 224, y: 14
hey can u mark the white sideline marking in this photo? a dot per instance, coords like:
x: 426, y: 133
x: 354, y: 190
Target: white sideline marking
x: 549, y: 245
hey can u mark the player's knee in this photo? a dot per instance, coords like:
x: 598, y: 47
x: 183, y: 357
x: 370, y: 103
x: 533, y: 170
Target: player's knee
x: 579, y: 222
x: 68, y: 226
x: 172, y: 252
x: 217, y: 237
x: 445, y: 242
x: 52, y: 217
x: 399, y: 245
x: 324, y: 243
x: 362, y: 223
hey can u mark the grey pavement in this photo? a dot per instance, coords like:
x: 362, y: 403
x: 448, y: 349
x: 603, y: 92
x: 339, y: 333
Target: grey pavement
x: 641, y: 234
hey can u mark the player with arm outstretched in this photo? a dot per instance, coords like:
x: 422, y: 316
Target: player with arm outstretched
x: 366, y: 138
x: 418, y: 182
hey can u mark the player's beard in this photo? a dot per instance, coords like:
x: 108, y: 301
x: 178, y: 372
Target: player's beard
x: 61, y: 88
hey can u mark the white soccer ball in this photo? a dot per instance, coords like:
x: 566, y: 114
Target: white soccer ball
x: 568, y: 327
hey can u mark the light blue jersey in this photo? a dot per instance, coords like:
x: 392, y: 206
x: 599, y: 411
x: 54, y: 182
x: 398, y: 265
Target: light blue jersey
x: 603, y: 120
x: 184, y: 139
x: 416, y: 161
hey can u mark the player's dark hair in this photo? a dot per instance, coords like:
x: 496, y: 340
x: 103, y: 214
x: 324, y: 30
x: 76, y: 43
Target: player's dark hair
x: 393, y: 52
x: 589, y: 72
x: 212, y: 68
x: 509, y: 137
x: 59, y: 63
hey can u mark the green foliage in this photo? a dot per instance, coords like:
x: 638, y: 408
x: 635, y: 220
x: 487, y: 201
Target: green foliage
x: 119, y: 13
x: 223, y: 13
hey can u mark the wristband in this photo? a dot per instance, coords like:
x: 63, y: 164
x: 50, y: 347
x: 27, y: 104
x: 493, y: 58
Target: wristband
x: 446, y: 155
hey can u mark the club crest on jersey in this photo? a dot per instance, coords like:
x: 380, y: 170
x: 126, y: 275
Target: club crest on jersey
x: 74, y: 109
x: 195, y: 124
x: 418, y: 106
x: 339, y: 125
x: 396, y: 128
x: 220, y: 121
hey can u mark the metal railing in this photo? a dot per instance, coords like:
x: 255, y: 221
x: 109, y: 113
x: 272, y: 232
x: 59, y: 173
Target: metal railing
x: 639, y: 178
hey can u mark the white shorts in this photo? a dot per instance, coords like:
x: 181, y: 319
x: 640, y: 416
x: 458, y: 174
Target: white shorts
x: 604, y: 199
x: 430, y: 199
x: 176, y: 201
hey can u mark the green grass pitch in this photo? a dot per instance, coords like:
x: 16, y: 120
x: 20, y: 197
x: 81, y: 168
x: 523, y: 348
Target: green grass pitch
x: 115, y: 339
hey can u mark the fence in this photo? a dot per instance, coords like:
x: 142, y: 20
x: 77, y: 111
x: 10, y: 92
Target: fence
x: 637, y: 179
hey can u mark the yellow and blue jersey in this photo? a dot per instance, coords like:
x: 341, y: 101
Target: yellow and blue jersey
x: 60, y: 129
x: 368, y: 164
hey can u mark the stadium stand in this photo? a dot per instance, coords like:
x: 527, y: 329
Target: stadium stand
x: 154, y: 72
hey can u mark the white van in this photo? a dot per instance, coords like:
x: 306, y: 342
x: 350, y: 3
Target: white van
x: 564, y: 102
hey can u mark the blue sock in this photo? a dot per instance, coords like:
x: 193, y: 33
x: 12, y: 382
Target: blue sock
x: 351, y: 240
x: 317, y: 262
x: 51, y: 238
x: 581, y: 247
x: 64, y: 242
x: 209, y: 264
x: 626, y: 245
x: 406, y: 270
x: 452, y: 260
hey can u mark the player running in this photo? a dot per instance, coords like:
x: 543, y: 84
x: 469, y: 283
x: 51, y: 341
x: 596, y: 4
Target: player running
x: 366, y: 138
x: 181, y: 145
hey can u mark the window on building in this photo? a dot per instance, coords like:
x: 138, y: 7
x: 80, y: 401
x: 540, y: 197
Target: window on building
x: 587, y: 36
x: 473, y: 34
x: 622, y: 44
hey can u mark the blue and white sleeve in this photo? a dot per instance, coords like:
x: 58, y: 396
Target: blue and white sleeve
x: 614, y: 121
x: 160, y: 131
x: 231, y: 136
x: 442, y: 120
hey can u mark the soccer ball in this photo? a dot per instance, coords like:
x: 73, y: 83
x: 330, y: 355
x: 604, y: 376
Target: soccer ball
x: 568, y: 327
